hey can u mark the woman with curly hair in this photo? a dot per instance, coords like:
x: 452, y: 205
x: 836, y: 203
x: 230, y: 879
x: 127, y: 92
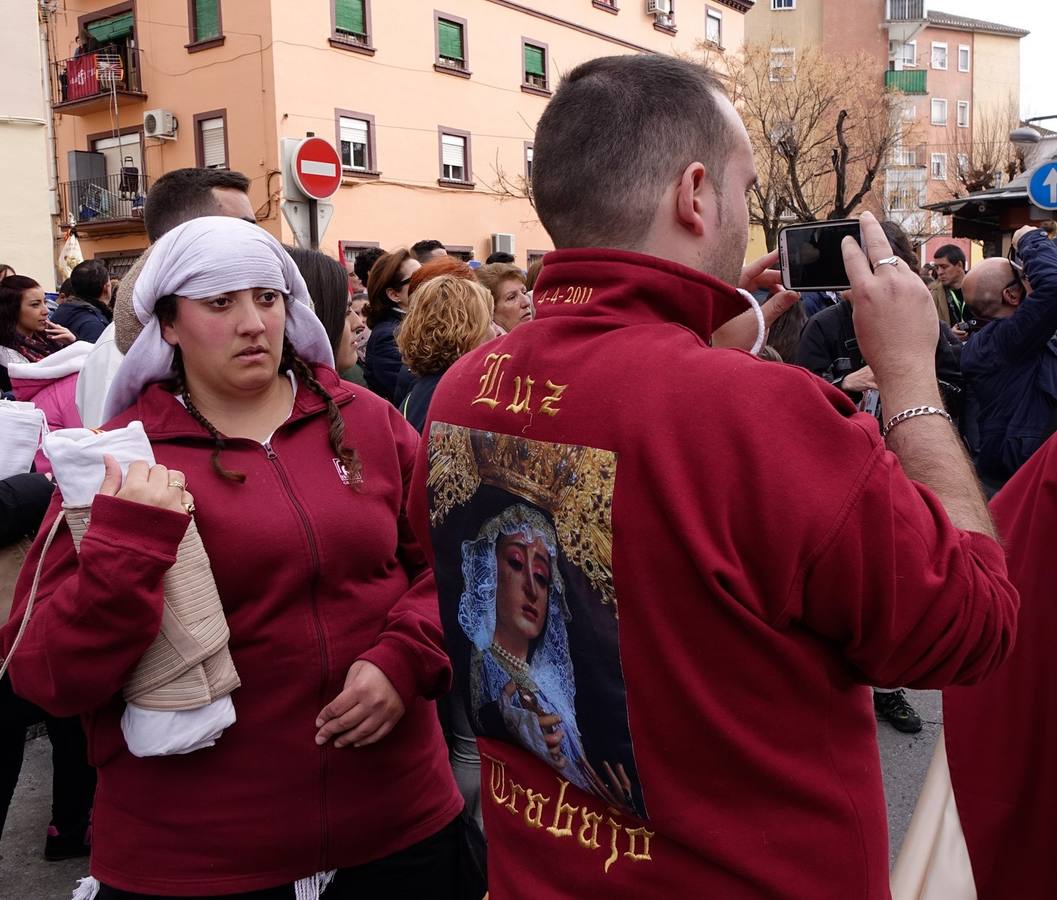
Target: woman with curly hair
x: 335, y: 767
x: 449, y: 317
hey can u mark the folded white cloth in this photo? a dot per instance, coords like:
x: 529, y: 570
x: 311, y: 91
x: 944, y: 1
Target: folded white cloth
x: 76, y: 457
x: 163, y: 732
x: 22, y: 426
x: 59, y: 364
x: 97, y: 372
x: 201, y: 259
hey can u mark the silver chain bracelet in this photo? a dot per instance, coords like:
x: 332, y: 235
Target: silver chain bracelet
x: 911, y: 413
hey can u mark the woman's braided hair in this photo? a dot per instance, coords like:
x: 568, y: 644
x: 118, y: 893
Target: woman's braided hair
x: 302, y: 371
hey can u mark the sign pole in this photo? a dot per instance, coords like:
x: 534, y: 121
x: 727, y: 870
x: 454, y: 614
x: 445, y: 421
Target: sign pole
x: 313, y: 223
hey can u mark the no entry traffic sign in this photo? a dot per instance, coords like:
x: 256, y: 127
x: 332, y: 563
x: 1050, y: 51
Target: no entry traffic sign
x: 316, y: 167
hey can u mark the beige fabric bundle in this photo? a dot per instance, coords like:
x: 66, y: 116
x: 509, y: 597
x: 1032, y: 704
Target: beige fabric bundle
x: 189, y: 664
x: 933, y: 863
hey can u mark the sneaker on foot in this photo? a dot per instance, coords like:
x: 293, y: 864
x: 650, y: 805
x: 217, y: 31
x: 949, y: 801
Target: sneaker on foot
x: 65, y: 845
x: 892, y: 706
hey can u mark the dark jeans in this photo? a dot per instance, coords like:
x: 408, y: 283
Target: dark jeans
x: 426, y: 869
x: 72, y: 779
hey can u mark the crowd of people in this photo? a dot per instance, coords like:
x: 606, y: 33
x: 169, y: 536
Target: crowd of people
x: 462, y: 534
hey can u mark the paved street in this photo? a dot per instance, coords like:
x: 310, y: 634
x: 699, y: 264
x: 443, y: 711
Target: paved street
x: 25, y: 876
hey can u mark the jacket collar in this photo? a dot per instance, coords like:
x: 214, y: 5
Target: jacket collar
x: 96, y: 305
x: 633, y: 288
x: 165, y: 418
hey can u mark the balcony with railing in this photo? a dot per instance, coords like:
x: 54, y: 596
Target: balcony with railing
x: 105, y: 203
x: 906, y: 11
x: 94, y: 81
x: 907, y: 81
x: 905, y: 19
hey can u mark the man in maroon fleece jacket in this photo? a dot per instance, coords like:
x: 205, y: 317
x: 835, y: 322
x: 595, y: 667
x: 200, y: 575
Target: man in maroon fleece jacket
x: 667, y: 570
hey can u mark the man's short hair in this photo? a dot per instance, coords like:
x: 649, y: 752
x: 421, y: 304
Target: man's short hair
x: 952, y: 253
x: 89, y: 279
x: 500, y: 256
x: 423, y: 250
x: 185, y: 194
x: 618, y: 131
x: 364, y: 260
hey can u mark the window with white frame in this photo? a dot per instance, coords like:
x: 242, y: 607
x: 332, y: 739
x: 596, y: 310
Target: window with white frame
x: 453, y: 157
x: 963, y: 165
x: 213, y: 145
x: 783, y: 4
x: 963, y: 113
x: 783, y: 60
x: 939, y: 111
x: 904, y: 156
x: 714, y: 27
x: 908, y: 110
x: 528, y: 162
x: 963, y: 57
x: 939, y: 166
x: 355, y: 147
x: 939, y: 55
x: 910, y: 54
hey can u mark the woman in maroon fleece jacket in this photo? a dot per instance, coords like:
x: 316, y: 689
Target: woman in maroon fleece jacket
x: 336, y: 761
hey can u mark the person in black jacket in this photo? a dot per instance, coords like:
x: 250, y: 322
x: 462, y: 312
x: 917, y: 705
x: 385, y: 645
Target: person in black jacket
x: 387, y: 291
x: 1010, y: 361
x: 87, y: 313
x: 24, y: 500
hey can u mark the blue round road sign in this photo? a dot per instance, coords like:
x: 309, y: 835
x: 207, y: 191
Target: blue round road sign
x: 1042, y: 188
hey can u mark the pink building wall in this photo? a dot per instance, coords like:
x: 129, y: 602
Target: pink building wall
x: 277, y: 74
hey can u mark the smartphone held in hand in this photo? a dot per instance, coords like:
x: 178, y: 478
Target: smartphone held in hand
x: 811, y: 256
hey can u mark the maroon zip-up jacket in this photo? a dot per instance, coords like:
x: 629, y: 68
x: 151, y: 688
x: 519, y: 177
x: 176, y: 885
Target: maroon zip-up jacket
x: 313, y: 576
x: 769, y: 560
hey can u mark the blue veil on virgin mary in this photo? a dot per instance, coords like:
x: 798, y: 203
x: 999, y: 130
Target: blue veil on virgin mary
x: 543, y: 684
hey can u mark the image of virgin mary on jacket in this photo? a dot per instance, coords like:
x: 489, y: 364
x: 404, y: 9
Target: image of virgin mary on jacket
x: 522, y: 538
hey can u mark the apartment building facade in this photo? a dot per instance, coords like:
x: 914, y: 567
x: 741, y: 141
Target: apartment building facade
x: 432, y: 106
x: 959, y: 78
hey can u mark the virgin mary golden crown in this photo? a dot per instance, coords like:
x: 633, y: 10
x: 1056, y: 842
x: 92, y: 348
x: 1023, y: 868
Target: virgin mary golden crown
x: 539, y: 472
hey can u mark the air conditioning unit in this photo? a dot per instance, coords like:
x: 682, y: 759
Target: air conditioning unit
x: 658, y: 7
x: 503, y: 243
x: 160, y: 123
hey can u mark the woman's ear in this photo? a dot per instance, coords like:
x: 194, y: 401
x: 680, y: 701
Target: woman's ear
x: 169, y: 335
x: 394, y: 296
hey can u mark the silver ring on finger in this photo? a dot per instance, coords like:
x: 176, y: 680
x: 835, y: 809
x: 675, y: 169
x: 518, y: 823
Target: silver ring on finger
x: 887, y: 261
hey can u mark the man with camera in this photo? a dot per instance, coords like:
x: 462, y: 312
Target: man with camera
x: 1011, y: 362
x: 721, y: 599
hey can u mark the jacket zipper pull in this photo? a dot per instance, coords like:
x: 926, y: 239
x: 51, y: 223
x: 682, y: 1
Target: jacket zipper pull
x: 268, y: 449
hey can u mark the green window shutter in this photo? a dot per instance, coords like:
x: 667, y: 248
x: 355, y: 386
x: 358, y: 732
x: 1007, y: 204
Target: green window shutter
x: 106, y: 30
x: 349, y: 16
x: 534, y: 60
x: 450, y: 39
x: 207, y: 19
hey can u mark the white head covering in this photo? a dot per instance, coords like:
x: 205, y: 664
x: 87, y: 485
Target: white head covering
x: 201, y: 259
